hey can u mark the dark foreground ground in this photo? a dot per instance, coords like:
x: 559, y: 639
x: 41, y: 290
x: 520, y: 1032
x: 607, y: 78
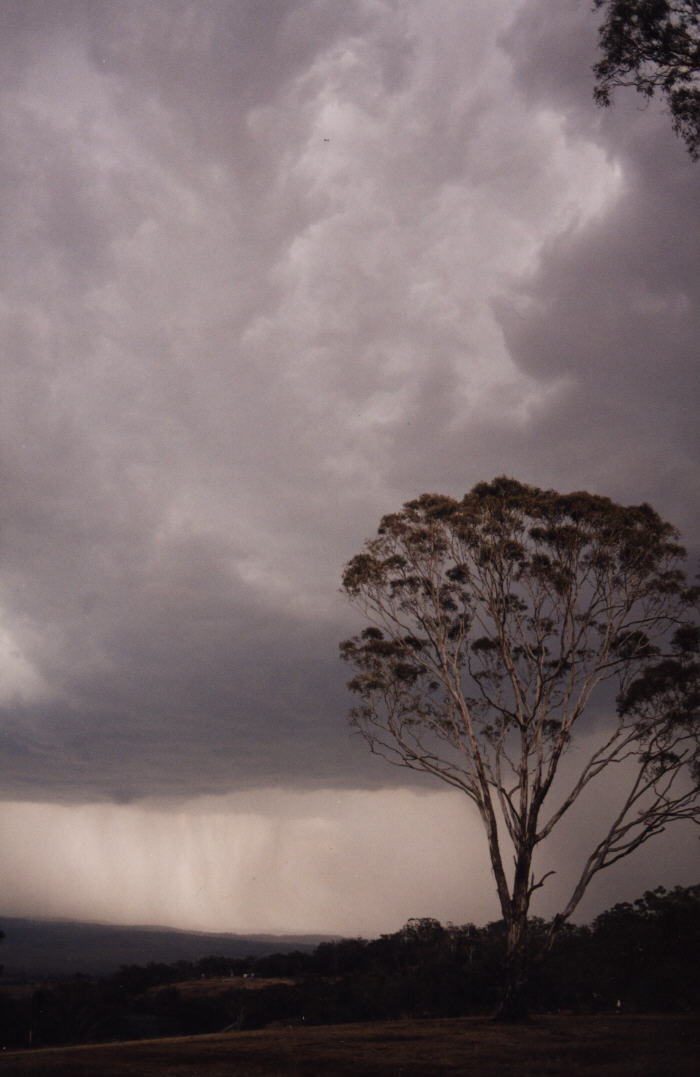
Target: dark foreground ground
x: 616, y: 1046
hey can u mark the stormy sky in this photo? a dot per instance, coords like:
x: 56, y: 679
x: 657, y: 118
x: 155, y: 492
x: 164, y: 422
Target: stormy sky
x: 269, y: 269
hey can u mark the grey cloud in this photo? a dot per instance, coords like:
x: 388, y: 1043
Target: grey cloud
x: 613, y: 306
x: 183, y: 705
x: 605, y: 321
x: 553, y: 49
x: 230, y: 346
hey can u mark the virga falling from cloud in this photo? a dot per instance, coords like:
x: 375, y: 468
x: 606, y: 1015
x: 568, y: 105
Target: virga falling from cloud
x: 304, y: 862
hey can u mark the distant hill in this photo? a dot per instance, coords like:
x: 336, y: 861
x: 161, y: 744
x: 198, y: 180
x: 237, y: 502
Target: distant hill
x: 35, y: 949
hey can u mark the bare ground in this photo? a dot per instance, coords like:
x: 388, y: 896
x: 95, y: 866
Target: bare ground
x: 558, y: 1046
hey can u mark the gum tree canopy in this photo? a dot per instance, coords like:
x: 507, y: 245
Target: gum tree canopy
x: 654, y: 46
x: 508, y: 627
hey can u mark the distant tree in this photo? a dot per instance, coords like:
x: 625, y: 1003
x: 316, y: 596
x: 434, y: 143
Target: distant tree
x: 648, y: 953
x: 654, y: 46
x: 498, y: 626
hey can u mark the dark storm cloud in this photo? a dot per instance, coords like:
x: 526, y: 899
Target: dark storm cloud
x: 612, y: 306
x: 174, y: 679
x: 154, y: 664
x: 603, y: 321
x: 252, y: 255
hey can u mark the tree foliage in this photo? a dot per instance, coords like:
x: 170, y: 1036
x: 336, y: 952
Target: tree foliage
x: 502, y: 626
x: 654, y: 46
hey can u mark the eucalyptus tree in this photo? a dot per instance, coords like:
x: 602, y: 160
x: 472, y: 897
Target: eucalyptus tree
x: 654, y: 46
x: 502, y: 630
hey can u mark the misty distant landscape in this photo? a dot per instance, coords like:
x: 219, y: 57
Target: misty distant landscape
x: 140, y: 984
x: 41, y: 949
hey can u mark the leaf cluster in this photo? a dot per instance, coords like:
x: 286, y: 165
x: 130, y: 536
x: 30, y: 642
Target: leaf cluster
x: 654, y: 46
x: 495, y: 611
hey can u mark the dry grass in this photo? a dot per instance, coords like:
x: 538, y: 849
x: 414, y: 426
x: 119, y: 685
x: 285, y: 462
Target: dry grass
x: 624, y: 1046
x: 210, y: 987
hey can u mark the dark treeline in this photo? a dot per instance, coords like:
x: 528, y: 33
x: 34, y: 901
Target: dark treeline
x: 639, y: 957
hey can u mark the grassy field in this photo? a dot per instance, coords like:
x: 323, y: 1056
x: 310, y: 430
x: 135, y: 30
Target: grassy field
x: 219, y: 985
x: 615, y: 1046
